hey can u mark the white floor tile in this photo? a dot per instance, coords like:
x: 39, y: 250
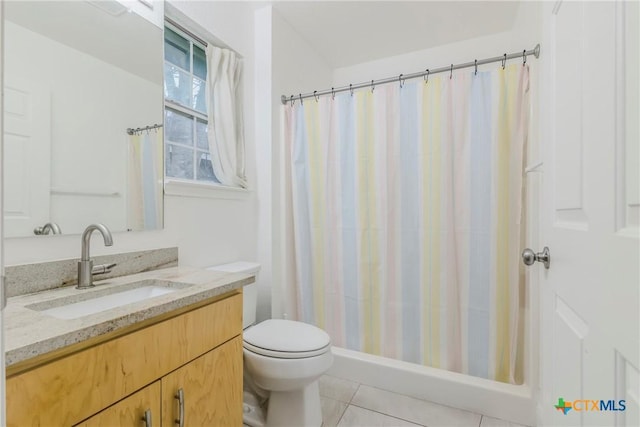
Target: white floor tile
x: 414, y: 410
x: 495, y: 422
x: 337, y: 388
x: 332, y: 411
x: 355, y: 417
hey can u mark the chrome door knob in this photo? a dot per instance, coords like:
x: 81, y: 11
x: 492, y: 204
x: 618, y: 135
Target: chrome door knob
x: 529, y: 257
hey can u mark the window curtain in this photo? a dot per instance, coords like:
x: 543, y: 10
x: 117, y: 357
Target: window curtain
x: 224, y: 107
x: 407, y: 219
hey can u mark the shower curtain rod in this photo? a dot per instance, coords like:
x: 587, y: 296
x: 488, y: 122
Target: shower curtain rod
x: 131, y: 131
x: 401, y: 78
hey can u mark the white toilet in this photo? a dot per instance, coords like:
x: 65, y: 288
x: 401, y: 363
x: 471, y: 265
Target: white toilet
x: 283, y: 360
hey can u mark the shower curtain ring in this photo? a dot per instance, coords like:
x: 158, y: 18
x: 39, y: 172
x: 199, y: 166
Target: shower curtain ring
x: 476, y: 72
x: 504, y: 61
x: 524, y: 57
x: 300, y: 95
x: 292, y: 101
x: 351, y: 89
x: 315, y: 96
x: 400, y: 81
x: 372, y: 86
x: 451, y: 72
x: 333, y: 94
x: 426, y: 77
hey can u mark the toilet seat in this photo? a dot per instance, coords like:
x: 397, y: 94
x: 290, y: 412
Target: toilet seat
x: 286, y: 339
x: 284, y: 354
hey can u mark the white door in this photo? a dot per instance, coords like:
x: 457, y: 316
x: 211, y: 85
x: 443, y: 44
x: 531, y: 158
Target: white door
x: 27, y: 172
x: 590, y: 215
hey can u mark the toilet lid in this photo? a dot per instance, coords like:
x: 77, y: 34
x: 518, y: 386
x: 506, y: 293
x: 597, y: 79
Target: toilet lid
x: 286, y: 336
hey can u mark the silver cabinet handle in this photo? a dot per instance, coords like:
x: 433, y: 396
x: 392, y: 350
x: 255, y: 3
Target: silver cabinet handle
x: 147, y: 418
x: 180, y: 397
x: 529, y: 257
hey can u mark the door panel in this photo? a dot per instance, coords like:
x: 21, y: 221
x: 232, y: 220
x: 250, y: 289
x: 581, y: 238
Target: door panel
x: 569, y: 331
x: 628, y: 148
x: 569, y: 198
x: 27, y: 135
x: 590, y: 298
x: 628, y: 383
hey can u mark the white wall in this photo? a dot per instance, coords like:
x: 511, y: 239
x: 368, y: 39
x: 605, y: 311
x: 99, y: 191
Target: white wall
x: 524, y: 35
x: 264, y: 148
x: 206, y: 230
x: 287, y: 64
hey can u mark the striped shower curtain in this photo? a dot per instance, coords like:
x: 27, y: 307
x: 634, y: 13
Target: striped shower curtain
x: 145, y: 181
x: 408, y: 208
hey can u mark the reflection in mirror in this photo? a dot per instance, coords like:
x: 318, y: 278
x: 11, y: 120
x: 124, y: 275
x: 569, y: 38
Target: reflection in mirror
x: 78, y: 76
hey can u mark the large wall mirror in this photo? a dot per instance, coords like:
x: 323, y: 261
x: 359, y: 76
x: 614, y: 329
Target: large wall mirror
x: 83, y: 118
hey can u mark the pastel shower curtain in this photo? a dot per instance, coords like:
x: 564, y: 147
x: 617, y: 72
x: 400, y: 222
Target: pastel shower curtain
x: 407, y: 206
x: 145, y: 181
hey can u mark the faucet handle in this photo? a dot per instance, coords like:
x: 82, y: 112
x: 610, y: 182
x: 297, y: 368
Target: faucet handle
x: 102, y: 268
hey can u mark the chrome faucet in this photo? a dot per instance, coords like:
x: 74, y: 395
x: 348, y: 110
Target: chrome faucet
x: 85, y: 265
x: 50, y: 226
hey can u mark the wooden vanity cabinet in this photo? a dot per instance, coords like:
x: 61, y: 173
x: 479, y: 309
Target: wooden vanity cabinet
x: 114, y: 382
x: 204, y: 392
x: 210, y: 395
x: 131, y: 410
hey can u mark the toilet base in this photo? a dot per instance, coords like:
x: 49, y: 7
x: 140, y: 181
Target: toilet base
x: 252, y: 412
x: 297, y: 408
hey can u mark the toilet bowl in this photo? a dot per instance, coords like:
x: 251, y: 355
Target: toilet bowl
x: 283, y: 360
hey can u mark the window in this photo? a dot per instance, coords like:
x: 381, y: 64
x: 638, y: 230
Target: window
x: 187, y: 154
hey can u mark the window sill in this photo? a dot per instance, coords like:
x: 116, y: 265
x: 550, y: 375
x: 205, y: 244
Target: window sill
x: 174, y: 187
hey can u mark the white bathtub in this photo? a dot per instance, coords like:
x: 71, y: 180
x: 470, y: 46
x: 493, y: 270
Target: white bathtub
x: 506, y: 401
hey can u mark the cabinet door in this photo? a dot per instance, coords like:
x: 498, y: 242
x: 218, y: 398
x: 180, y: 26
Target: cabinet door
x: 130, y: 411
x: 211, y: 389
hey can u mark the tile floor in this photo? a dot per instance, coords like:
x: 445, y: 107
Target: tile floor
x: 349, y: 404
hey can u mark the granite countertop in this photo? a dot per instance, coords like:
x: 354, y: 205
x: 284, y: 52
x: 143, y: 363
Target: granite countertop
x: 30, y: 333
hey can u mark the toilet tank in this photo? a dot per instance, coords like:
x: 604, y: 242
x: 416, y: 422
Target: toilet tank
x: 249, y: 292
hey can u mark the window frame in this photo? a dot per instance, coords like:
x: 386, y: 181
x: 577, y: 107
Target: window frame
x: 192, y: 114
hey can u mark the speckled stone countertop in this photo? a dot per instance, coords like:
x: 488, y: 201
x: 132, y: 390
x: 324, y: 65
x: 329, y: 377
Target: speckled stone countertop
x: 30, y: 333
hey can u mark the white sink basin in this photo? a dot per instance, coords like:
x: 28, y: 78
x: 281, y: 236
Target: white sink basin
x: 106, y: 302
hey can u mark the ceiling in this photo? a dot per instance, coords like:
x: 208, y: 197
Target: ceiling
x: 346, y: 33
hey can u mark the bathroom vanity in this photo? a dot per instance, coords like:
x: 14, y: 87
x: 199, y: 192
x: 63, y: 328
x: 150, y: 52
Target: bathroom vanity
x: 170, y: 359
